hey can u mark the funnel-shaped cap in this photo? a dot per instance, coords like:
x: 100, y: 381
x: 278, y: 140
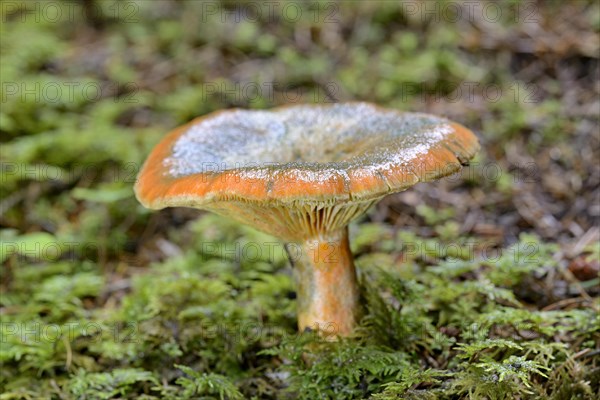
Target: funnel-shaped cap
x: 300, y: 171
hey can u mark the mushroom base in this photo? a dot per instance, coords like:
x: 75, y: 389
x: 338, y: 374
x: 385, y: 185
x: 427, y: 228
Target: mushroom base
x: 327, y: 289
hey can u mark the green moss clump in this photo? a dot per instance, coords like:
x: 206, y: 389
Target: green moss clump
x: 487, y: 292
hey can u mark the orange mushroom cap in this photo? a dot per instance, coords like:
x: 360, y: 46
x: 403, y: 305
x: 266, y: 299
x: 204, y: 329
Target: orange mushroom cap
x: 297, y: 171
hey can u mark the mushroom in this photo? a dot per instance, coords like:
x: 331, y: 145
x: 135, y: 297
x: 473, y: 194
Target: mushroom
x: 302, y: 173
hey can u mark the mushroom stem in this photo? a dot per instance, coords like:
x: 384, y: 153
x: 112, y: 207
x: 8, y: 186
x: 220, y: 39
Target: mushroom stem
x: 326, y: 283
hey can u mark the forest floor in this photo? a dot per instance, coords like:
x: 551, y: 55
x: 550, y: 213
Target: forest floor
x: 483, y: 285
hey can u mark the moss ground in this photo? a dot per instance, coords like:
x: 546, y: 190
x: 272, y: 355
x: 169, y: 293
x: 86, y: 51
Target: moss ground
x: 481, y: 286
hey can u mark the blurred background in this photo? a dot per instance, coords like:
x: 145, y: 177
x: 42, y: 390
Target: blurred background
x: 88, y: 87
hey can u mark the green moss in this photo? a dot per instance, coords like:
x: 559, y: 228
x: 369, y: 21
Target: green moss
x: 100, y: 298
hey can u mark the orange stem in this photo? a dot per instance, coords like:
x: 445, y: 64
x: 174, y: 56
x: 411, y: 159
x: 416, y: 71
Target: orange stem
x: 327, y: 286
